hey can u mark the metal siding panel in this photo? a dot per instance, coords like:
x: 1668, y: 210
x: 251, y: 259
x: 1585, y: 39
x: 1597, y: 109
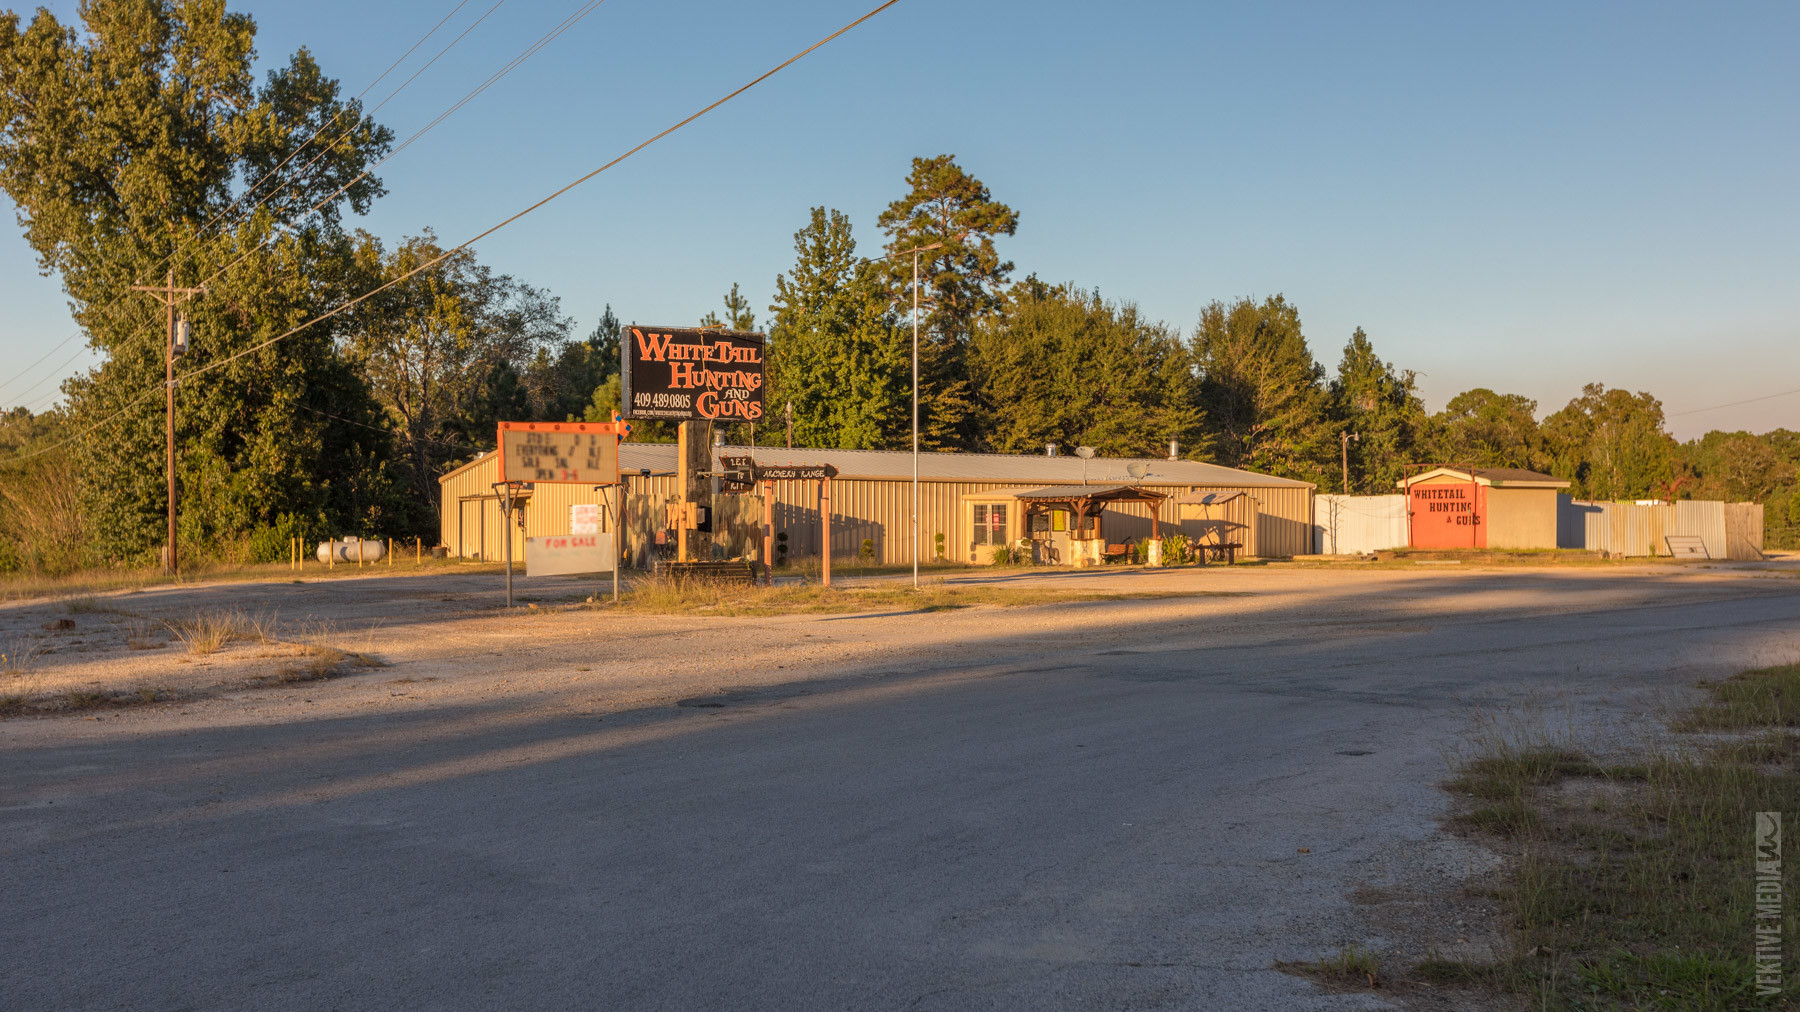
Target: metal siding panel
x: 1704, y: 519
x: 1357, y: 524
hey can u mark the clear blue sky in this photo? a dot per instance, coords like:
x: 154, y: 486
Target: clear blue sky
x: 1525, y: 197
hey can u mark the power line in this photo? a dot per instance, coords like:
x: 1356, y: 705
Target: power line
x: 511, y: 65
x: 1733, y: 404
x: 765, y: 75
x: 391, y: 432
x: 272, y: 172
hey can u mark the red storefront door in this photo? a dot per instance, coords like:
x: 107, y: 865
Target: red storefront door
x: 1448, y: 514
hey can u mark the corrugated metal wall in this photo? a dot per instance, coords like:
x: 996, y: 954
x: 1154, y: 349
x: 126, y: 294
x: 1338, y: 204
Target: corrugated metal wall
x: 876, y: 509
x: 1640, y: 529
x: 1356, y: 524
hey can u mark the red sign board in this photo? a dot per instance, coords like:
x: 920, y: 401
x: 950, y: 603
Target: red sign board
x: 1448, y: 514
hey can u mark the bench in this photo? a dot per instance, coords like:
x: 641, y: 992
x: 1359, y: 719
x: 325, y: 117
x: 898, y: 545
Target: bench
x: 1225, y: 551
x: 1118, y: 553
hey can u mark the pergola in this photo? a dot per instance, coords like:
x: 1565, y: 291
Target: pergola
x: 1089, y: 500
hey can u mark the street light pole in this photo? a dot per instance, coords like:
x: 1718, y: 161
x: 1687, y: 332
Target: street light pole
x: 915, y: 418
x: 915, y: 251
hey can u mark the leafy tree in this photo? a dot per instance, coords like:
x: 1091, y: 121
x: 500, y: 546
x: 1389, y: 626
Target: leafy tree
x: 738, y: 315
x: 1739, y: 466
x: 1381, y: 405
x: 119, y: 144
x: 960, y: 282
x: 834, y: 350
x: 1261, y: 391
x: 1611, y: 444
x: 1481, y: 428
x: 456, y: 348
x: 1063, y: 365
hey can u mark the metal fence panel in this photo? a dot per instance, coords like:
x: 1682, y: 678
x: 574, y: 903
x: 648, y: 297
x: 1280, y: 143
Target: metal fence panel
x: 1356, y: 524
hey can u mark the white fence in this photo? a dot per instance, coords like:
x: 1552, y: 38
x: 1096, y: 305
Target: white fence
x: 1354, y: 524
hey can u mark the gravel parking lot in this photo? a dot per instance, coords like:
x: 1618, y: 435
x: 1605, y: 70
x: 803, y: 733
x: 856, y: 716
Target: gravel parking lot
x: 1136, y: 803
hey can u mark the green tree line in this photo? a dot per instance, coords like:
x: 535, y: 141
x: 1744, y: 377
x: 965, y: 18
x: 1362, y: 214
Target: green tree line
x: 138, y: 141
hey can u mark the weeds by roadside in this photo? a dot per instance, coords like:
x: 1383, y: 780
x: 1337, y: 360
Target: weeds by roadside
x: 1632, y: 885
x: 667, y: 597
x: 311, y: 648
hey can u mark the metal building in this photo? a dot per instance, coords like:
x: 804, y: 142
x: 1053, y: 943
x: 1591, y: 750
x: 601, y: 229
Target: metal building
x: 871, y: 500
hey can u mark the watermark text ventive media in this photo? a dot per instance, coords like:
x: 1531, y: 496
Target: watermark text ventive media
x: 1769, y: 903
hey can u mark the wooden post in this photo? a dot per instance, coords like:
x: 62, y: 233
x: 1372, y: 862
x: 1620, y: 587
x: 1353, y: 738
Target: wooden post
x: 825, y: 522
x: 693, y: 458
x: 768, y: 491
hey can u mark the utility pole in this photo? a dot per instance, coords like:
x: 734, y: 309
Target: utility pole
x: 790, y: 424
x: 1344, y: 439
x: 166, y: 294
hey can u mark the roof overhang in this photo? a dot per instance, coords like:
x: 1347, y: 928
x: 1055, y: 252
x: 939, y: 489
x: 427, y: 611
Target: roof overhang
x: 1455, y: 474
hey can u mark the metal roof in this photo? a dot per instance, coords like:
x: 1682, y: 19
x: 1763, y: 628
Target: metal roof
x: 1003, y: 467
x: 1110, y: 493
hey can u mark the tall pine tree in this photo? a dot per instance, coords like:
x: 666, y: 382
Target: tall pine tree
x: 960, y: 282
x: 1381, y: 405
x: 1262, y: 392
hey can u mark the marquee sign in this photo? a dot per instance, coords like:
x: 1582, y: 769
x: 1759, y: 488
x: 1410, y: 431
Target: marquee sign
x: 580, y: 453
x: 690, y: 374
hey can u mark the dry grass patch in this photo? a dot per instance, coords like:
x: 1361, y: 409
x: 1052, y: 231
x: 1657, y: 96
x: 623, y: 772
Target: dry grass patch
x: 1631, y: 885
x: 209, y: 631
x: 669, y: 597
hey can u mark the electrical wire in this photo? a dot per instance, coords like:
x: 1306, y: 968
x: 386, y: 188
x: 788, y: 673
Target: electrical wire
x: 470, y: 242
x: 1733, y: 404
x: 271, y: 173
x: 391, y: 432
x: 511, y: 65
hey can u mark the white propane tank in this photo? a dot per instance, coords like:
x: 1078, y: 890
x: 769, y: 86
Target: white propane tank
x: 352, y: 551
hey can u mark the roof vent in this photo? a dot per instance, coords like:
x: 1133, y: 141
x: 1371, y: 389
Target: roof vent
x: 1050, y: 449
x: 1174, y: 450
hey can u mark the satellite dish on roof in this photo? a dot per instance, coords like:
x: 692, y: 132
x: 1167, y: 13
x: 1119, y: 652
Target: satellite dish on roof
x: 1137, y: 470
x: 1084, y: 452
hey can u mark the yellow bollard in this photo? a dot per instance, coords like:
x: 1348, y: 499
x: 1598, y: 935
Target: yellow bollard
x: 418, y: 551
x: 390, y: 553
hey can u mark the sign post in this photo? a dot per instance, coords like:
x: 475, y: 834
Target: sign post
x: 692, y: 375
x: 570, y: 453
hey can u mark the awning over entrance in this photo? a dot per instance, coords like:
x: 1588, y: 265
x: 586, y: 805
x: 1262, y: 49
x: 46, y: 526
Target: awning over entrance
x: 1087, y: 500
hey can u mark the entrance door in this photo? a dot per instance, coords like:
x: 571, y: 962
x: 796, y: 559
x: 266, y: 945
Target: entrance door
x: 987, y: 529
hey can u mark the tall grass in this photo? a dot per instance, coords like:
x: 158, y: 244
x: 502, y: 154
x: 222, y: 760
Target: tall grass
x: 1630, y: 885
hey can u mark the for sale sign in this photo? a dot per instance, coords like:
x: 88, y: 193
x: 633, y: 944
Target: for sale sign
x: 580, y: 453
x: 688, y: 374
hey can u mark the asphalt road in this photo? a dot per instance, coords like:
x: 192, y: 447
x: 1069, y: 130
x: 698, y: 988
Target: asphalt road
x: 1143, y: 819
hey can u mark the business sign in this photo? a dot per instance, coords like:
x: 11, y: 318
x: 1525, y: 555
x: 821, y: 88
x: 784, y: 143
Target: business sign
x: 797, y: 472
x: 584, y: 518
x: 688, y: 374
x: 1447, y: 514
x: 570, y: 555
x: 580, y: 453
